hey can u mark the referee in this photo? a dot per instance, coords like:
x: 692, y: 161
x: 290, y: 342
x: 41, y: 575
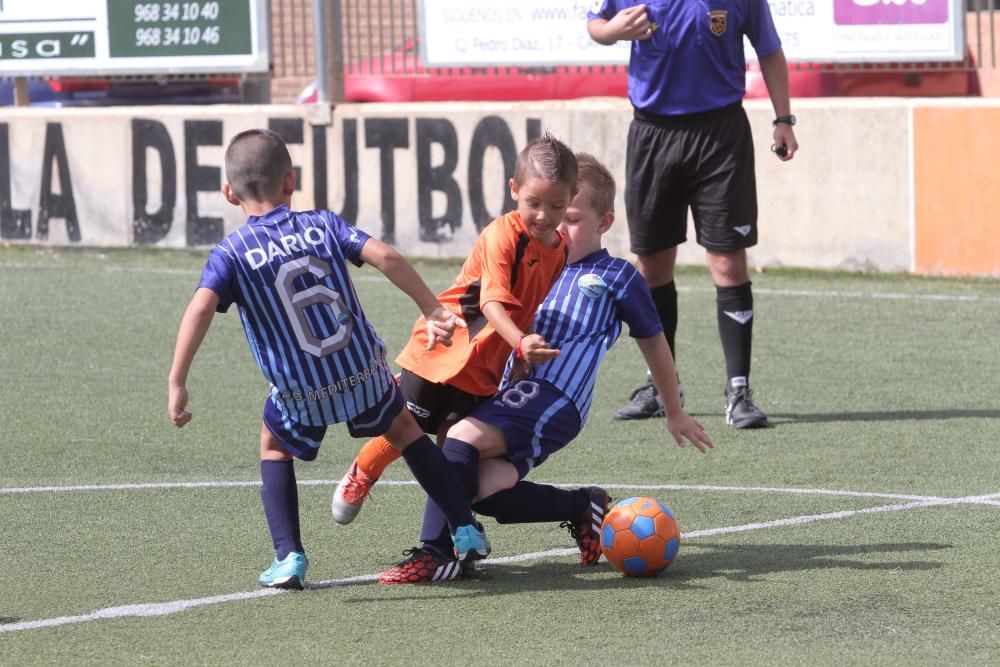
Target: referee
x: 690, y: 145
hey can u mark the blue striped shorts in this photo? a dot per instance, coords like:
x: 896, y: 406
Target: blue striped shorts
x: 303, y: 442
x: 536, y: 419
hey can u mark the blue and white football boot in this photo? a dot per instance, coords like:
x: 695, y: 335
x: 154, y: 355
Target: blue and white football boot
x: 471, y: 543
x: 287, y: 573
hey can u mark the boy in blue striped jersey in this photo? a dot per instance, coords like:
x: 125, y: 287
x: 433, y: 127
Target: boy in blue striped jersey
x: 540, y: 409
x: 287, y: 273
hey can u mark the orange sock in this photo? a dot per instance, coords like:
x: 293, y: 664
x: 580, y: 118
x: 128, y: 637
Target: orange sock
x: 375, y: 456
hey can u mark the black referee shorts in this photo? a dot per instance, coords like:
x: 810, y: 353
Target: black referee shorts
x: 702, y: 160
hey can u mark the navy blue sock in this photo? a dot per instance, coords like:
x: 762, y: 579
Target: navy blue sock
x: 735, y: 314
x: 464, y: 459
x: 438, y: 478
x: 527, y: 502
x: 434, y: 533
x: 280, y: 496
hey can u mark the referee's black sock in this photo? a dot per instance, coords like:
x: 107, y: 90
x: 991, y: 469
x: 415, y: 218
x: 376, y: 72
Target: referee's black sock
x: 665, y: 300
x: 735, y: 313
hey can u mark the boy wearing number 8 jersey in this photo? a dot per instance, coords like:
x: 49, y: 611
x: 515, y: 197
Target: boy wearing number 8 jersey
x: 287, y: 273
x: 541, y: 408
x: 511, y: 267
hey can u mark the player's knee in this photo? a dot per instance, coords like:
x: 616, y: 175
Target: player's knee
x: 728, y: 269
x: 271, y: 448
x: 486, y: 438
x: 461, y: 430
x: 658, y: 269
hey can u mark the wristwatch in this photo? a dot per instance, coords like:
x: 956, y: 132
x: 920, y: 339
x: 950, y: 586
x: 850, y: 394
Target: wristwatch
x: 788, y: 120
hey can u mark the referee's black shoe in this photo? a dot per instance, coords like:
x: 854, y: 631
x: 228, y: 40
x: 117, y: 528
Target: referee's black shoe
x: 741, y: 411
x: 645, y: 403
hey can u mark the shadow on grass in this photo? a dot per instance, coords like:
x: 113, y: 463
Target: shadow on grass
x: 701, y: 561
x: 881, y: 416
x: 742, y: 562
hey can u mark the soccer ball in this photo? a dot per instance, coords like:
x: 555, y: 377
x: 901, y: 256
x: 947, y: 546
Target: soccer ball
x: 640, y: 537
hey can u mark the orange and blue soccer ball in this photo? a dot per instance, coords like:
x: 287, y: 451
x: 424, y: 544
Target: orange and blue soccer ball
x: 640, y: 537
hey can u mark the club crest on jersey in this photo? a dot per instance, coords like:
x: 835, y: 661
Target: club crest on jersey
x: 717, y: 19
x: 592, y: 285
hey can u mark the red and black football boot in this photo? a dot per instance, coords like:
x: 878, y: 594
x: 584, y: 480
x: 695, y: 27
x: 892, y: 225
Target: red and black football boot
x: 423, y: 565
x: 587, y: 530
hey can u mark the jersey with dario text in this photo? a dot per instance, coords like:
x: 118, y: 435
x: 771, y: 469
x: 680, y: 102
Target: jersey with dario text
x: 287, y: 273
x: 582, y: 317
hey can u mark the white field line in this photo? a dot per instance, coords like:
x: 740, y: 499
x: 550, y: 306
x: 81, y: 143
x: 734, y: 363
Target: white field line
x: 155, y: 271
x: 166, y: 608
x: 141, y: 486
x: 328, y: 482
x: 889, y: 296
x: 162, y: 271
x: 829, y: 516
x: 837, y: 294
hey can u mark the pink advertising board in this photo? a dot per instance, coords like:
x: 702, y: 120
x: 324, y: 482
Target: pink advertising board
x: 889, y: 12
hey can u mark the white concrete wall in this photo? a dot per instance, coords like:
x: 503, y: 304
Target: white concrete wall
x: 844, y: 201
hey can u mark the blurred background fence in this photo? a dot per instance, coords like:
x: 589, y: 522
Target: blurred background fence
x: 377, y: 35
x: 368, y: 50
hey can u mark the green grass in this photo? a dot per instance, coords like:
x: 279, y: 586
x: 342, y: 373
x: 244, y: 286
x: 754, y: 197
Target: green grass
x: 874, y: 384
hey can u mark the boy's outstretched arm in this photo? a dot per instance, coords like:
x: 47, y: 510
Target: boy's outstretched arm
x: 661, y: 366
x: 194, y: 324
x: 441, y: 322
x: 534, y: 349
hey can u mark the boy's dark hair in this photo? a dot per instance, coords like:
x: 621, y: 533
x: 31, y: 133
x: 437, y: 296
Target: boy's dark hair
x: 596, y: 184
x: 256, y: 164
x: 546, y: 157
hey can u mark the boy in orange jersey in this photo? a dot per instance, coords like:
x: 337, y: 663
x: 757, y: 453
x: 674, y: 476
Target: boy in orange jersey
x: 515, y: 261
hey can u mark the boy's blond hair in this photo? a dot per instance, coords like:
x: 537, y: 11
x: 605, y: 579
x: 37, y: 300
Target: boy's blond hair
x: 546, y: 157
x: 595, y: 183
x: 256, y: 164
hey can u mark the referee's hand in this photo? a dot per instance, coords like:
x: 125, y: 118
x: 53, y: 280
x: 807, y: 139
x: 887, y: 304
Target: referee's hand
x: 784, y: 138
x: 631, y: 23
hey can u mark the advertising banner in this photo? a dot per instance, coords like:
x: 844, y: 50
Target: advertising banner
x: 554, y: 32
x: 845, y: 31
x: 106, y: 37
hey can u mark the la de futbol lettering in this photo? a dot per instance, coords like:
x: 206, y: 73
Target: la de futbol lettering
x: 338, y: 386
x: 256, y: 257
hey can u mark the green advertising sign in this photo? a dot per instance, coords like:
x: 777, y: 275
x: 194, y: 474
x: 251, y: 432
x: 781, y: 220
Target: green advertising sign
x: 102, y: 37
x: 49, y: 45
x: 151, y: 29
